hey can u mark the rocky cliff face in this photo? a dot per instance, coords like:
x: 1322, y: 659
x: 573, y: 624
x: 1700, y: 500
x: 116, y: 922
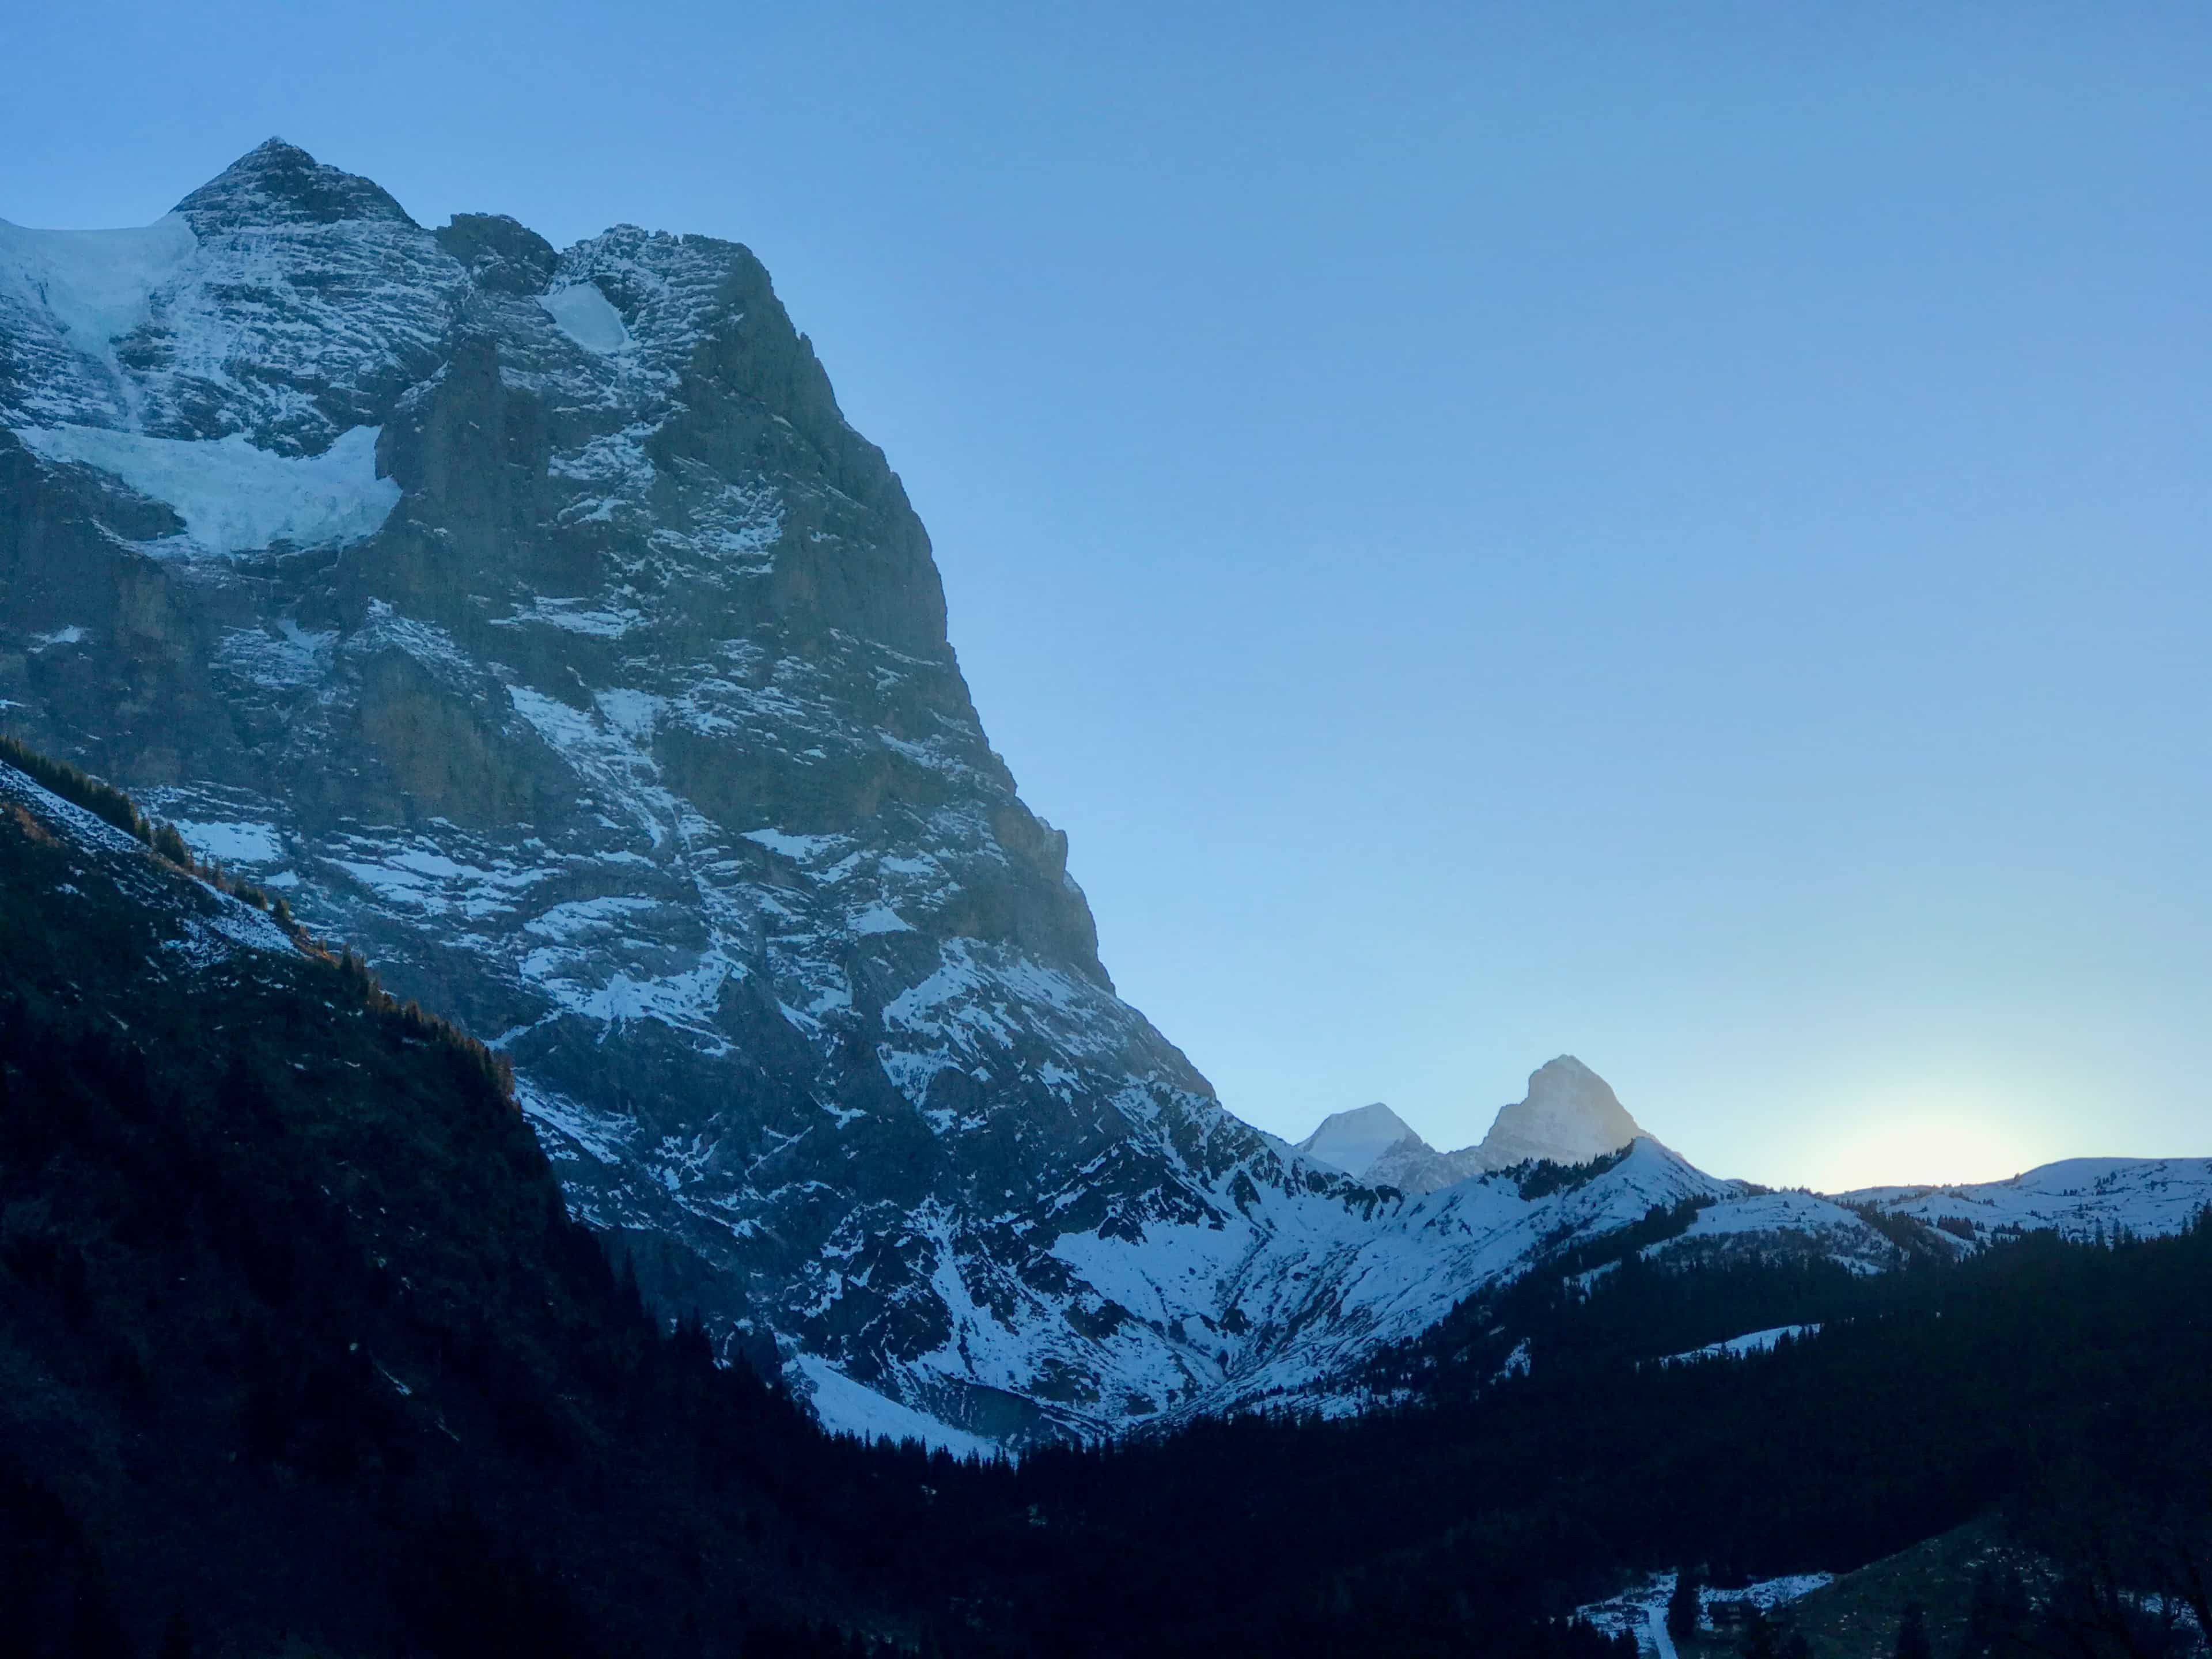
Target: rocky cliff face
x: 536, y: 621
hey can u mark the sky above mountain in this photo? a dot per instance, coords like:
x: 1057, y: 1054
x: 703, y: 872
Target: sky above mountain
x: 1678, y: 538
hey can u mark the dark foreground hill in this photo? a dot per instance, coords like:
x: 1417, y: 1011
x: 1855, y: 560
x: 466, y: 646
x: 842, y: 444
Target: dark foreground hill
x: 297, y: 1338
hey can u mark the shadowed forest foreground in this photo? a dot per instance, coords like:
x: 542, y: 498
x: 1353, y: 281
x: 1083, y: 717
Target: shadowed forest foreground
x: 299, y: 1351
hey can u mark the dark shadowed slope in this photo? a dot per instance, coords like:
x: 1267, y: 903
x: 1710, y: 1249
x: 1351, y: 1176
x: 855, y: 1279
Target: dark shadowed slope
x: 296, y: 1336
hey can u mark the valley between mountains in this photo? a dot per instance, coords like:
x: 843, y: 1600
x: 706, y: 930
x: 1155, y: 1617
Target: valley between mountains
x: 532, y: 620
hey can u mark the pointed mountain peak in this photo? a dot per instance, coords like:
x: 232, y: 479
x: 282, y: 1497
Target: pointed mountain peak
x: 277, y: 184
x: 1352, y: 1141
x: 1570, y: 1116
x: 1567, y: 1078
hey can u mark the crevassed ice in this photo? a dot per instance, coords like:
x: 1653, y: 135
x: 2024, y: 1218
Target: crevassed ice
x: 95, y: 284
x: 233, y: 497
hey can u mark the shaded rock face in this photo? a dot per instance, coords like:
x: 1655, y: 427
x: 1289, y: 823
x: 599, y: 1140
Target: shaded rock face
x: 535, y: 620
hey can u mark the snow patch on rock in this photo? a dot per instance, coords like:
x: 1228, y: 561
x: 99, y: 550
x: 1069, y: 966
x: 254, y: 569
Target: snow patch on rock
x: 232, y: 843
x: 585, y: 315
x: 233, y: 497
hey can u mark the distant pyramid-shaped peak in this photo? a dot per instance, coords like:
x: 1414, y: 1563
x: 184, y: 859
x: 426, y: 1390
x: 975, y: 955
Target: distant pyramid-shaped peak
x: 1352, y: 1141
x: 278, y: 184
x: 1571, y: 1115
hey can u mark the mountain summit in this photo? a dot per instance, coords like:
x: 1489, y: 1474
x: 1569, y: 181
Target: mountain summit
x: 1352, y: 1141
x: 1569, y: 1115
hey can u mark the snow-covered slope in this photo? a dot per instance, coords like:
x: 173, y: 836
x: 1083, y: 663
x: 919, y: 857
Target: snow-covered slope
x: 2081, y: 1198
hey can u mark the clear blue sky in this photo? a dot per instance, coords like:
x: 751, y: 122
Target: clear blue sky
x: 1682, y: 534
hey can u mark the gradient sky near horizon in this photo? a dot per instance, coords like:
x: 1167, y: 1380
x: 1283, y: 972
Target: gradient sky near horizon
x: 1681, y: 535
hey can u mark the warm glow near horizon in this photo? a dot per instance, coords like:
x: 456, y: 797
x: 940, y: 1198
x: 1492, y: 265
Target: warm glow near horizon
x: 1928, y: 1138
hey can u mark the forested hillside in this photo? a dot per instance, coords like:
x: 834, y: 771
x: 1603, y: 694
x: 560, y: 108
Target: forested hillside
x: 296, y: 1336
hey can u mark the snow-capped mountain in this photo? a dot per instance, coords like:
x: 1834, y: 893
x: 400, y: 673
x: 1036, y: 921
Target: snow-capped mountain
x: 533, y: 619
x: 1569, y: 1115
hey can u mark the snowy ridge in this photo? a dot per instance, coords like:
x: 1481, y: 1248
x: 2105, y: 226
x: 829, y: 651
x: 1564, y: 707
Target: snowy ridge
x: 1751, y: 1342
x: 2080, y: 1198
x: 1352, y: 1141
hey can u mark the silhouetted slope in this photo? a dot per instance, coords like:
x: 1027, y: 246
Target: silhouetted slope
x: 296, y: 1335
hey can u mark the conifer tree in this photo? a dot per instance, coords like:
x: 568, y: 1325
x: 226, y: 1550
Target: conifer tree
x: 1912, y: 1634
x: 1685, y: 1607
